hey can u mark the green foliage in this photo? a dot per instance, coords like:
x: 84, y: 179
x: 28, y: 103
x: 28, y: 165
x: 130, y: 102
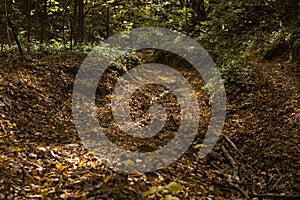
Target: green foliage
x: 228, y: 23
x: 172, y: 187
x: 234, y: 72
x: 152, y: 190
x: 222, y: 28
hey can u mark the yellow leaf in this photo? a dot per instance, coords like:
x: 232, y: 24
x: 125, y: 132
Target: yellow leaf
x: 106, y: 179
x: 155, y: 180
x: 60, y: 166
x: 202, y: 188
x: 66, y: 174
x: 236, y: 115
x: 16, y: 149
x: 44, y: 191
x: 48, y: 180
x: 77, y: 196
x: 89, y: 153
x: 94, y: 165
x: 80, y: 164
x: 197, y: 146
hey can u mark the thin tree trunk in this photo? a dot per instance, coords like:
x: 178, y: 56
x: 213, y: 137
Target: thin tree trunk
x: 198, y: 6
x: 71, y: 35
x: 107, y: 23
x: 6, y: 24
x: 29, y: 26
x: 74, y: 25
x: 15, y: 35
x: 43, y: 22
x: 64, y: 21
x: 80, y: 21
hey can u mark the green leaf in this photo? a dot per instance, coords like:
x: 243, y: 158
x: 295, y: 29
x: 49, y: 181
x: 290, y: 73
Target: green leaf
x: 110, y: 1
x: 151, y: 190
x: 174, y: 187
x: 170, y: 197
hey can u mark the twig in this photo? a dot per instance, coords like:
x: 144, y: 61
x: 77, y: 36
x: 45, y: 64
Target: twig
x: 231, y: 160
x: 239, y: 189
x: 215, y: 166
x: 276, y: 196
x: 3, y: 128
x: 278, y: 181
x: 232, y: 144
x: 270, y: 179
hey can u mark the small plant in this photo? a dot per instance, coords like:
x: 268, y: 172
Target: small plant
x: 234, y: 73
x: 172, y: 187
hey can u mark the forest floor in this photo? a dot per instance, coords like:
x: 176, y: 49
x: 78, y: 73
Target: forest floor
x: 41, y: 155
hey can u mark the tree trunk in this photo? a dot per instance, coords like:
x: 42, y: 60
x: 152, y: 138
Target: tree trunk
x: 198, y: 6
x: 64, y: 22
x: 107, y: 23
x: 14, y: 31
x: 296, y: 52
x: 74, y: 23
x: 6, y: 24
x: 71, y: 35
x: 80, y: 21
x: 29, y: 25
x: 43, y: 23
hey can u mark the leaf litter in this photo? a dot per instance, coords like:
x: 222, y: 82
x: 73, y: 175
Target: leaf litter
x: 41, y: 155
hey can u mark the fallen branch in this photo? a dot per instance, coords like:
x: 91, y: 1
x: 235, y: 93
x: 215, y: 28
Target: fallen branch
x: 232, y: 144
x: 215, y: 166
x: 231, y: 160
x: 276, y: 196
x: 239, y: 189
